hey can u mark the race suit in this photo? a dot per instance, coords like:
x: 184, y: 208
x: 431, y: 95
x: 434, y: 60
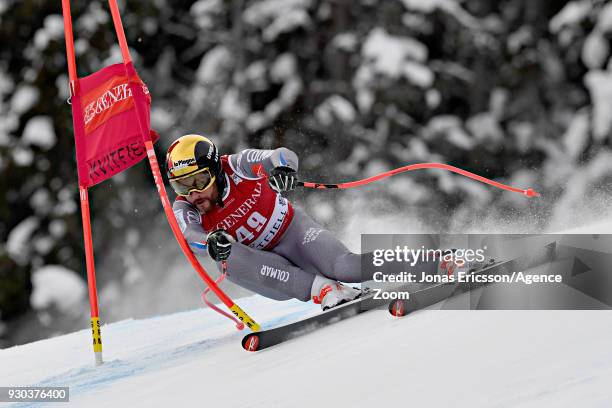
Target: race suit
x: 279, y: 248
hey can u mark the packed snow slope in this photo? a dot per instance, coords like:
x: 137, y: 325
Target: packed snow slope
x: 432, y: 358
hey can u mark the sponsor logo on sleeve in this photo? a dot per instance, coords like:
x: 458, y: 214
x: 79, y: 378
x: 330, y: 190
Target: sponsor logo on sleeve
x: 258, y: 155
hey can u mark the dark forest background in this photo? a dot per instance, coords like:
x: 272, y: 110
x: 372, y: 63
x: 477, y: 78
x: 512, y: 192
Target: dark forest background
x: 515, y: 90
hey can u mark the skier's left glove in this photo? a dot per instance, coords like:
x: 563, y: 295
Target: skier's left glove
x: 219, y: 245
x: 283, y: 178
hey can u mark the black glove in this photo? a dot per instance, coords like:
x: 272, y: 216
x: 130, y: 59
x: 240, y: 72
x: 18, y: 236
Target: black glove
x: 219, y: 245
x: 283, y: 179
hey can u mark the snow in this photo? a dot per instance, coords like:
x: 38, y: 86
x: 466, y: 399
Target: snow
x: 231, y: 107
x: 256, y: 74
x: 291, y: 20
x: 206, y: 6
x: 323, y: 211
x: 450, y: 7
x: 365, y: 99
x: 362, y: 82
x: 519, y: 38
x: 459, y: 138
x: 342, y: 108
x: 18, y: 242
x: 450, y: 126
x: 283, y: 68
x: 595, y: 50
x: 419, y: 149
x: 94, y: 16
x: 55, y: 285
x: 63, y: 90
x: 53, y: 29
x: 418, y: 193
x: 578, y: 206
x: 604, y: 19
x: 433, y: 97
x: 426, y: 6
x: 577, y: 135
x: 43, y: 245
x: 287, y: 96
x: 6, y: 83
x: 81, y: 46
x: 388, y: 52
x: 39, y: 131
x: 478, y: 192
x: 346, y: 42
x: 66, y: 204
x: 22, y: 156
x: 256, y: 121
x: 289, y: 92
x: 161, y: 119
x: 484, y: 127
x: 278, y: 16
x: 498, y: 101
x: 25, y: 97
x: 599, y: 84
x: 481, y: 359
x: 40, y: 201
x: 392, y: 56
x: 572, y: 14
x: 214, y: 65
x: 204, y: 11
x: 41, y: 39
x: 262, y: 13
x: 57, y: 228
x: 417, y: 23
x: 115, y: 56
x: 418, y: 74
x: 335, y: 107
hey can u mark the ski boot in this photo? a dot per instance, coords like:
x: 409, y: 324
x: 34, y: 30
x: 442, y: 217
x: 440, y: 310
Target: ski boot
x: 329, y: 293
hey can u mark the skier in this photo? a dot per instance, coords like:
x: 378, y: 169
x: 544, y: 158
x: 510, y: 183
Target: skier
x: 232, y: 204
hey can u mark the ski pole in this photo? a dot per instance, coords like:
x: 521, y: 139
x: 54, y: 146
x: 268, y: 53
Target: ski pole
x: 528, y: 192
x: 239, y: 324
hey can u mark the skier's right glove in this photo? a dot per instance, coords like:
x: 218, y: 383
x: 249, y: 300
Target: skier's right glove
x: 219, y: 245
x: 283, y: 178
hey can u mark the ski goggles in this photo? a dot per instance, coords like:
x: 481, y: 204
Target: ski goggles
x: 198, y: 181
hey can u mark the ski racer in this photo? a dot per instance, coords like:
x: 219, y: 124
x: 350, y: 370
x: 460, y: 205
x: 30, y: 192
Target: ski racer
x: 232, y: 204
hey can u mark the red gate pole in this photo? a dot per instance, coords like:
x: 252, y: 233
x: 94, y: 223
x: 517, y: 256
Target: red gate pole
x: 84, y: 196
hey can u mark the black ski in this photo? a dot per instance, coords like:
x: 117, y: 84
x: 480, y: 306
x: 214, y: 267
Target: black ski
x: 418, y: 300
x: 266, y: 338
